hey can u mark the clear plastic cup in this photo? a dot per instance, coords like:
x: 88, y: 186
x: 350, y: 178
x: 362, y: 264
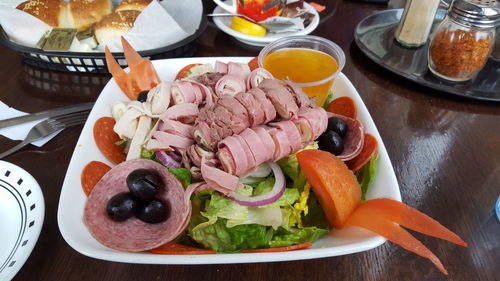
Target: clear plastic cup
x: 290, y: 58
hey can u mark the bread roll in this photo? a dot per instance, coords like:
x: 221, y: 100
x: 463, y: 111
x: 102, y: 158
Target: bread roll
x: 49, y: 11
x: 83, y: 13
x: 115, y: 24
x: 136, y: 5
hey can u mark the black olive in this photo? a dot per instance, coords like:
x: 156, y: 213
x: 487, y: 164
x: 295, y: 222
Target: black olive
x: 143, y: 96
x: 331, y: 142
x: 144, y: 184
x: 122, y: 206
x: 153, y: 211
x: 337, y: 125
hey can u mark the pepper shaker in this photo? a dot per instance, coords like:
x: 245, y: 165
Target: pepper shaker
x: 462, y: 43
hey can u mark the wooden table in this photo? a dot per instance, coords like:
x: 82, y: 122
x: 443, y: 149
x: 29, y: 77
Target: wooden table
x: 445, y: 152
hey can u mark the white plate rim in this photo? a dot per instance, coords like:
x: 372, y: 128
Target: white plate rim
x: 72, y: 198
x: 27, y: 192
x: 222, y: 24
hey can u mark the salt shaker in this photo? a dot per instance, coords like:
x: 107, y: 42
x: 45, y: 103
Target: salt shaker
x: 462, y: 43
x: 416, y: 22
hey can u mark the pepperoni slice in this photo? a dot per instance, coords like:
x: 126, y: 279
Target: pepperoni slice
x: 105, y: 139
x: 92, y: 174
x: 370, y: 147
x: 344, y: 106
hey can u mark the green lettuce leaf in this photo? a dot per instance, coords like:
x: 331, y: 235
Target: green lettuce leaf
x: 298, y: 236
x: 366, y: 175
x: 182, y: 174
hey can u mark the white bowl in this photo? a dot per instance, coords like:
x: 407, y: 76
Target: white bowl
x: 335, y: 243
x: 22, y: 211
x: 224, y: 24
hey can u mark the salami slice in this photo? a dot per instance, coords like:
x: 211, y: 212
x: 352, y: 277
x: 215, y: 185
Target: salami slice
x: 92, y: 174
x: 134, y: 235
x: 354, y: 138
x: 105, y: 139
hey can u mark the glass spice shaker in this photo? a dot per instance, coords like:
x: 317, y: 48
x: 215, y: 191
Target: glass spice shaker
x: 462, y: 43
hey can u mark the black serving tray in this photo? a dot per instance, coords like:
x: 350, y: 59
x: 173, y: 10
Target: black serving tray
x: 374, y: 35
x: 95, y: 62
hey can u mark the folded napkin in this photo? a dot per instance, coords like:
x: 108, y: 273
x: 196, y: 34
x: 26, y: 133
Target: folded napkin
x: 19, y: 132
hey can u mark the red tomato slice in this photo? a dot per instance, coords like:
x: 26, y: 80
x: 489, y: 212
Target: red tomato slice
x: 185, y: 71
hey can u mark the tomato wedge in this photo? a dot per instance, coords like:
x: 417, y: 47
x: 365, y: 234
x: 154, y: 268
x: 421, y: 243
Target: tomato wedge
x: 339, y: 196
x: 333, y: 183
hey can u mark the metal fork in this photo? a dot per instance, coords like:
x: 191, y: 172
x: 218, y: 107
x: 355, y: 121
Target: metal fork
x: 48, y: 127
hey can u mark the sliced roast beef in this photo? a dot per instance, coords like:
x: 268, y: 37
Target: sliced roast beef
x: 300, y: 96
x: 256, y: 114
x: 265, y: 104
x: 208, y: 79
x: 184, y: 112
x: 282, y: 100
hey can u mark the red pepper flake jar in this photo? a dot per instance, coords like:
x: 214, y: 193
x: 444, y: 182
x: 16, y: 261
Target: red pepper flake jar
x: 462, y: 43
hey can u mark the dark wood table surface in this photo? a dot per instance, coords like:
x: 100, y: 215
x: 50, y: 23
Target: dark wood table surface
x: 445, y: 152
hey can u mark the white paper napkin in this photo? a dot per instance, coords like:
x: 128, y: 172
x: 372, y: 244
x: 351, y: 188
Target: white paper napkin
x: 19, y: 132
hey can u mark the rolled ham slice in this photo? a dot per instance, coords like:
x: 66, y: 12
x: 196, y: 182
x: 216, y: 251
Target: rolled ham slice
x: 220, y: 67
x: 353, y: 139
x: 316, y: 117
x: 168, y: 139
x: 184, y: 112
x: 251, y: 163
x: 238, y: 153
x: 176, y: 128
x: 205, y: 89
x: 134, y: 235
x: 291, y: 132
x: 219, y: 180
x: 267, y: 141
x: 260, y: 152
x: 281, y: 142
x: 185, y: 92
x: 256, y: 77
x: 239, y: 70
x: 229, y: 85
x: 196, y: 153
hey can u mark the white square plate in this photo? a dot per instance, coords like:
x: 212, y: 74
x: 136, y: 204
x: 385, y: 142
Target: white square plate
x: 335, y: 243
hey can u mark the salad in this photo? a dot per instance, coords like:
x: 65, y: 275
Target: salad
x: 227, y: 159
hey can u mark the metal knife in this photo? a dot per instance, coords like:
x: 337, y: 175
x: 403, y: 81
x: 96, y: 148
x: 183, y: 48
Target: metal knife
x: 46, y: 113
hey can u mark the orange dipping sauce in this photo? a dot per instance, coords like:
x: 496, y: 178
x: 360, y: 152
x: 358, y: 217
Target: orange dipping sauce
x: 302, y: 66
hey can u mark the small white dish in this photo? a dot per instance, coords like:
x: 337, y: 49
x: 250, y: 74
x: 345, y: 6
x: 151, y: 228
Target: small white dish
x: 224, y: 24
x: 335, y: 243
x: 22, y: 210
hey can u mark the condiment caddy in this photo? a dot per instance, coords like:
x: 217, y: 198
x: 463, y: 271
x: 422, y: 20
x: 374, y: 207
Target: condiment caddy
x: 375, y: 36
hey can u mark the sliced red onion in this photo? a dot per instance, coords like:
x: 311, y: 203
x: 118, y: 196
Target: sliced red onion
x: 174, y: 155
x: 262, y: 171
x: 167, y: 160
x: 264, y: 199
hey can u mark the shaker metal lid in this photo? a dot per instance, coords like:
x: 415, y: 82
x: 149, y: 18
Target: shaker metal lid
x: 480, y: 13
